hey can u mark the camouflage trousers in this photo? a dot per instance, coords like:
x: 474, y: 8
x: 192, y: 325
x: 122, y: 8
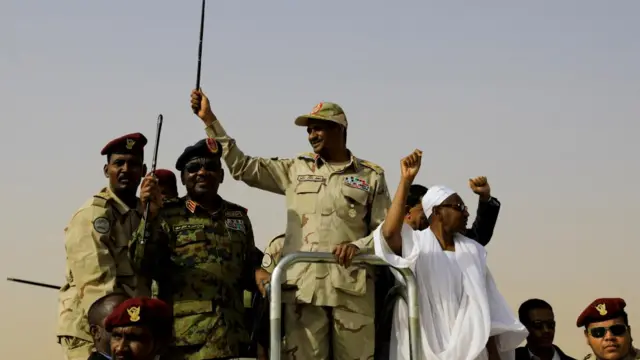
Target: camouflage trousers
x: 75, y: 348
x: 314, y: 332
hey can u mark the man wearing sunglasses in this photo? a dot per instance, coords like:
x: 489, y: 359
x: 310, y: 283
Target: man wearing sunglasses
x: 200, y: 250
x: 537, y: 316
x: 607, y: 330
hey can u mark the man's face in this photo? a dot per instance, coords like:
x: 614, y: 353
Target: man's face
x: 124, y: 172
x: 453, y: 213
x: 101, y: 338
x: 167, y: 192
x: 202, y: 176
x: 323, y: 135
x: 132, y: 343
x: 416, y: 218
x: 609, y: 340
x: 542, y: 328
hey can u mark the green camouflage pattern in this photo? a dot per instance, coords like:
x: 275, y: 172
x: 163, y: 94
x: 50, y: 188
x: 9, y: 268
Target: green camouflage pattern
x: 202, y: 263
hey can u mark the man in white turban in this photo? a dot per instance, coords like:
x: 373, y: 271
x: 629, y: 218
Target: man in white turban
x: 463, y: 316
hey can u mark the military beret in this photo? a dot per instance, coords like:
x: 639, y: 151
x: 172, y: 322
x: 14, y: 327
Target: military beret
x: 204, y: 148
x: 326, y: 111
x: 130, y: 143
x: 166, y: 178
x: 600, y: 310
x: 142, y: 311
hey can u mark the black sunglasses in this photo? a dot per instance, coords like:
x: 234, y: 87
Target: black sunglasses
x: 601, y: 331
x: 459, y: 207
x: 195, y: 166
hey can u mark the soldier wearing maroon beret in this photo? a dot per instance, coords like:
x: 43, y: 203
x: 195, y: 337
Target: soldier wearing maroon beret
x: 96, y: 241
x: 607, y: 330
x: 168, y: 184
x: 140, y: 328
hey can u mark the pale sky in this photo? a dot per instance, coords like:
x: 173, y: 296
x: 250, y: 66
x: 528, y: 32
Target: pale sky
x: 541, y: 97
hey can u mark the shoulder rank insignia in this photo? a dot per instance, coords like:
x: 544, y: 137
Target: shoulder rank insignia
x: 134, y: 313
x: 307, y: 155
x: 587, y: 357
x: 379, y: 170
x: 602, y: 309
x: 130, y: 144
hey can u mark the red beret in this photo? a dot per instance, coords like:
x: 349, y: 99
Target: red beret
x: 601, y: 310
x: 130, y: 143
x: 142, y: 311
x: 167, y: 179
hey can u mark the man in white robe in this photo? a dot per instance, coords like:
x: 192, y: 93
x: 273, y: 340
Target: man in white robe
x: 463, y: 316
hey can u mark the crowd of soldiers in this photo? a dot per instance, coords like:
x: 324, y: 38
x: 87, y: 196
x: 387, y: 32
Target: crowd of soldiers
x: 179, y: 284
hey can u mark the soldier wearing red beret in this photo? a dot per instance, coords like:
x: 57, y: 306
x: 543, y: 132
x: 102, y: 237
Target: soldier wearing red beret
x: 140, y: 328
x: 607, y: 330
x: 96, y: 241
x: 168, y: 184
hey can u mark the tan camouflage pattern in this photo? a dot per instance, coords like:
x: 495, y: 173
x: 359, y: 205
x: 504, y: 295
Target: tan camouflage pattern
x: 273, y: 253
x: 634, y: 355
x: 75, y: 348
x: 353, y: 333
x: 202, y: 264
x: 96, y: 243
x: 326, y: 207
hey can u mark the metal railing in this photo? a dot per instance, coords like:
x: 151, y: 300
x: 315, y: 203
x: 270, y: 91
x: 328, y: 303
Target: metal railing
x: 275, y: 301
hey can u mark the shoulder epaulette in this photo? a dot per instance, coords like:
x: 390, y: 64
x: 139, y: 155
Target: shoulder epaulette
x: 378, y: 169
x: 101, y: 199
x: 275, y: 238
x: 307, y: 155
x: 587, y: 357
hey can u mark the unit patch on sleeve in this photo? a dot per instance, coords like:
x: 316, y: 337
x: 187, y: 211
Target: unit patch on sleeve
x: 235, y: 224
x: 101, y: 225
x: 357, y: 183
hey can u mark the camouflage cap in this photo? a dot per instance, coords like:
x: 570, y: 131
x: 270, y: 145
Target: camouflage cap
x: 326, y: 111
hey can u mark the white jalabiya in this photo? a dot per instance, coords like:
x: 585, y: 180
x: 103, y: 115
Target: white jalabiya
x: 460, y: 306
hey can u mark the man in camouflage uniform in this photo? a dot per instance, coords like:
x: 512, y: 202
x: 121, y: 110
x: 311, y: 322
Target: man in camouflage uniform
x: 607, y: 330
x: 334, y: 201
x: 96, y: 242
x: 201, y: 251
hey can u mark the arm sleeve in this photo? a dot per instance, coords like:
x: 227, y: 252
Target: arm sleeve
x: 262, y: 173
x: 485, y: 222
x: 150, y: 258
x: 89, y: 259
x: 379, y: 207
x: 253, y: 259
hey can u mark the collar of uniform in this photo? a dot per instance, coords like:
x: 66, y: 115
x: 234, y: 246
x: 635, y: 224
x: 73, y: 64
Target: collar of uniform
x: 555, y: 356
x: 120, y: 205
x: 192, y: 206
x: 353, y: 161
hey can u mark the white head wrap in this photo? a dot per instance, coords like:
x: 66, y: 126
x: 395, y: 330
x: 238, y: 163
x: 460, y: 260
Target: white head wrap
x: 434, y: 197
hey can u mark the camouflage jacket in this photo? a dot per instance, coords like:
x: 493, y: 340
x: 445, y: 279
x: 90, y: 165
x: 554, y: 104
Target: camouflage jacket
x: 202, y: 263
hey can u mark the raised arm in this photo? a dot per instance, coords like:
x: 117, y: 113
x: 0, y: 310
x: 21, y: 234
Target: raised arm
x: 487, y: 213
x: 392, y: 226
x: 267, y: 174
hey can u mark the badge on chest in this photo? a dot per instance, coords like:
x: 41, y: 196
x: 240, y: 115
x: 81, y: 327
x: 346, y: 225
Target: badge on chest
x: 357, y: 183
x: 235, y: 224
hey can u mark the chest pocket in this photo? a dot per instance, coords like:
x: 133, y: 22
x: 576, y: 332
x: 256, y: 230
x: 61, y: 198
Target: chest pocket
x: 306, y: 196
x: 352, y: 204
x: 120, y: 249
x: 191, y: 244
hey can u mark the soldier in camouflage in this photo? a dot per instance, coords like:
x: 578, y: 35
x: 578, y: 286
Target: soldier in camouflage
x: 334, y: 201
x: 96, y: 242
x: 200, y: 249
x: 607, y: 330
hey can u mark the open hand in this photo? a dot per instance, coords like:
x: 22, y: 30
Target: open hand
x: 344, y: 254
